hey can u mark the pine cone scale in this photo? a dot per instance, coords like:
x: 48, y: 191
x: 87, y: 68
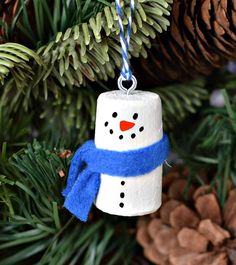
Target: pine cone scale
x: 213, y: 232
x: 155, y: 256
x: 210, y: 258
x: 208, y: 208
x: 167, y: 208
x: 205, y: 13
x: 181, y: 256
x: 154, y: 227
x: 230, y: 210
x: 233, y: 16
x: 167, y: 235
x: 192, y: 240
x: 182, y: 217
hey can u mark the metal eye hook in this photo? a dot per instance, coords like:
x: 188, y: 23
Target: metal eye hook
x: 122, y: 88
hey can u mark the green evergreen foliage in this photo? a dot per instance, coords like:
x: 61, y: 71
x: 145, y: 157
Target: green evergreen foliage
x: 50, y: 17
x: 10, y: 134
x: 212, y: 137
x: 14, y: 59
x: 34, y: 222
x: 50, y: 81
x: 88, y: 50
x: 71, y: 118
x: 68, y: 116
x: 85, y: 44
x: 179, y: 100
x: 82, y: 52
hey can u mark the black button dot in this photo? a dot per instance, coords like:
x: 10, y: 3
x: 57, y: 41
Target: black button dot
x: 121, y: 204
x: 141, y: 129
x: 106, y: 123
x: 121, y: 137
x: 122, y: 195
x: 133, y: 135
x: 122, y: 183
x: 111, y: 131
x: 135, y: 116
x: 114, y: 114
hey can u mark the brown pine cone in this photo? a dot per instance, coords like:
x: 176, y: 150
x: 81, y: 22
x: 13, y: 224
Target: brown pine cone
x: 202, y: 37
x: 196, y: 231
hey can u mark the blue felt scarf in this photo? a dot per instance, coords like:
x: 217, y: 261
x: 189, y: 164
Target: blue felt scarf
x: 89, y: 162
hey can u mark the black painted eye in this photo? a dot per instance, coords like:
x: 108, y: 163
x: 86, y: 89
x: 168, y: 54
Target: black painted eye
x: 114, y: 114
x: 135, y: 116
x: 133, y: 135
x: 141, y: 129
x: 106, y: 123
x: 121, y: 137
x: 111, y: 131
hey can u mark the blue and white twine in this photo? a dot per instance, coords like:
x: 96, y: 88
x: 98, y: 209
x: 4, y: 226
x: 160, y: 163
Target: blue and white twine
x: 126, y: 72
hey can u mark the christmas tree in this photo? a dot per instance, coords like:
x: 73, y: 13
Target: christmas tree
x: 56, y: 57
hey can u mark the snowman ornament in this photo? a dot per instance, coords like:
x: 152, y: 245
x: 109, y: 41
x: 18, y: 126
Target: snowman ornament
x: 124, y: 123
x: 120, y: 171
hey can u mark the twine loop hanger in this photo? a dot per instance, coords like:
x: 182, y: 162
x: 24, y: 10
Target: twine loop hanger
x: 126, y: 72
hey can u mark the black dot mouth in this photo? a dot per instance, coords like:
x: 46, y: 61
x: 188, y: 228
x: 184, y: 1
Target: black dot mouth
x: 133, y: 135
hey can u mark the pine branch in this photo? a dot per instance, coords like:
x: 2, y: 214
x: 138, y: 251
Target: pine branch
x: 35, y: 229
x: 14, y: 59
x: 87, y: 51
x: 91, y: 50
x: 14, y: 136
x: 65, y: 115
x: 70, y: 120
x: 213, y: 139
x: 180, y: 100
x: 39, y: 21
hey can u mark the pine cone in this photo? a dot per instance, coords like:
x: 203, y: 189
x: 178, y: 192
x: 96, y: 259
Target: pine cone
x: 202, y: 37
x: 192, y: 232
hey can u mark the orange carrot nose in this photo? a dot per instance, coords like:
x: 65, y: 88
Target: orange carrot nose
x: 126, y: 125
